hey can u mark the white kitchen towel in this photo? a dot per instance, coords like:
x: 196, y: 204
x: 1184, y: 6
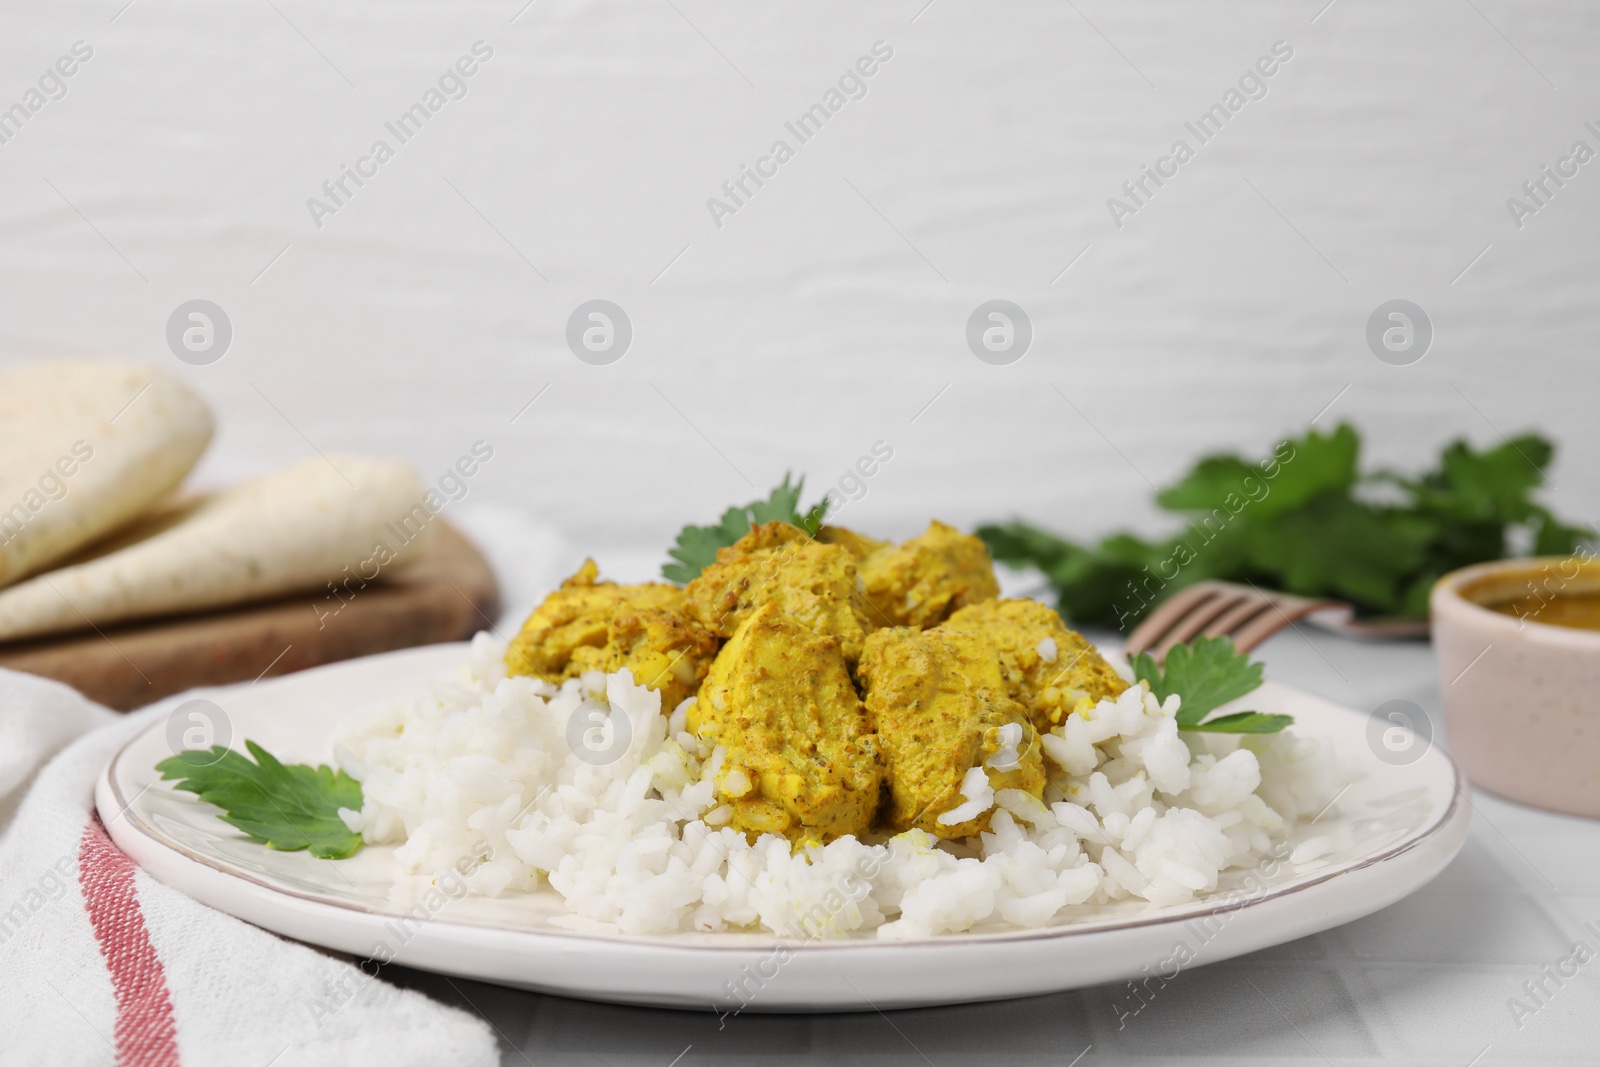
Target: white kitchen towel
x: 101, y: 964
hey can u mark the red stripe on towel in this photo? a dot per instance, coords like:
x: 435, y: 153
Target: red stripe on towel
x: 146, y: 1033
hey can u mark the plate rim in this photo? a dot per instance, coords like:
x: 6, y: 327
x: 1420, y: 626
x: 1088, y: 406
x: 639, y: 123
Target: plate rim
x: 125, y: 809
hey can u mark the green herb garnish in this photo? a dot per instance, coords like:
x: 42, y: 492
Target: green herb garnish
x: 697, y: 545
x: 285, y: 807
x: 1307, y: 521
x: 1206, y: 673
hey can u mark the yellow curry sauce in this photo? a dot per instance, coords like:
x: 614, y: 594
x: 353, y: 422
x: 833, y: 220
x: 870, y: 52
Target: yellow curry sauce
x: 851, y: 683
x: 1580, y: 611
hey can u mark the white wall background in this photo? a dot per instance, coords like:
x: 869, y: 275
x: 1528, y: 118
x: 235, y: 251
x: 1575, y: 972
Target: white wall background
x: 821, y: 317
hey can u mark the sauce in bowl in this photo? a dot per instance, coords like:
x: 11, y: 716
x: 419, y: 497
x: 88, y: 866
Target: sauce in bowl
x: 1524, y: 635
x: 1578, y: 610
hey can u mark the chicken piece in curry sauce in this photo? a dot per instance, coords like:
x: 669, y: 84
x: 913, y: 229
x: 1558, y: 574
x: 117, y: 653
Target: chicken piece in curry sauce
x: 1051, y: 670
x: 920, y: 582
x: 941, y: 707
x: 801, y: 759
x: 590, y: 625
x: 860, y: 546
x: 854, y: 686
x: 779, y: 564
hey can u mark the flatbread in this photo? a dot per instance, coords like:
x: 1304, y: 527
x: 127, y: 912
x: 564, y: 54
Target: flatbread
x: 327, y: 527
x: 85, y: 446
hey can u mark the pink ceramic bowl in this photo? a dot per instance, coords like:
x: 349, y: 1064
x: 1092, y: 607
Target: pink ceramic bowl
x: 1521, y: 697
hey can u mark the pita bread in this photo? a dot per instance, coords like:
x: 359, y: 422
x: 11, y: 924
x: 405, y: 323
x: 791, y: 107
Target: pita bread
x: 339, y: 520
x: 85, y: 446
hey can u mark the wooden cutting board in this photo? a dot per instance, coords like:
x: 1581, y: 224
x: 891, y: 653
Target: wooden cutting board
x: 447, y: 596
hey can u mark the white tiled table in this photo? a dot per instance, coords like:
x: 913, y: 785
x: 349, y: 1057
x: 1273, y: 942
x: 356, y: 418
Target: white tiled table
x: 1426, y: 981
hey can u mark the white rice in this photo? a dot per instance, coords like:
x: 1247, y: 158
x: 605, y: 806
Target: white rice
x: 1134, y: 810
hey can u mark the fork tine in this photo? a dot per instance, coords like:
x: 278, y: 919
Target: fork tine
x: 1225, y: 604
x: 1246, y: 613
x: 1159, y: 621
x: 1286, y: 611
x: 1250, y: 606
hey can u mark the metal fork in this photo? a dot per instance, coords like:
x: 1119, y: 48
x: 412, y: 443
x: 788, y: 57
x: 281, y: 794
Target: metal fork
x: 1213, y: 609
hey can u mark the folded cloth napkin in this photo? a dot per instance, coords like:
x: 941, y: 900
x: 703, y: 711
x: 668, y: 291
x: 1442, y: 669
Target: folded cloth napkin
x: 102, y: 964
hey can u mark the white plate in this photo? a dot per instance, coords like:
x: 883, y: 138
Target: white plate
x: 1391, y: 831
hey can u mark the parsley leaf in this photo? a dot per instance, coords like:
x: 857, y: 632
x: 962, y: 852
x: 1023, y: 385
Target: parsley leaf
x: 1307, y: 520
x: 284, y: 807
x: 1486, y: 486
x: 1301, y: 470
x: 1206, y: 673
x: 812, y: 520
x: 1363, y: 553
x: 697, y: 546
x: 1242, y: 722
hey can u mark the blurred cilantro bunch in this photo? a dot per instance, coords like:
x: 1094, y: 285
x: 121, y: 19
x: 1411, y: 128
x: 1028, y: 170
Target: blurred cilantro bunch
x: 1307, y: 521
